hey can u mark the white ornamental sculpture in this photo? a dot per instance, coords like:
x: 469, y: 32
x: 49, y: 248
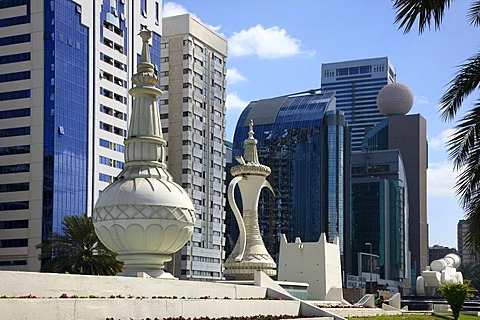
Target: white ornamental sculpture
x: 249, y: 253
x: 143, y: 215
x: 439, y: 272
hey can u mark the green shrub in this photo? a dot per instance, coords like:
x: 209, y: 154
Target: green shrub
x: 456, y: 294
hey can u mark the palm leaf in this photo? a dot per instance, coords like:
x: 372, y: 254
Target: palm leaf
x: 78, y: 250
x: 408, y: 11
x: 474, y: 14
x: 465, y: 82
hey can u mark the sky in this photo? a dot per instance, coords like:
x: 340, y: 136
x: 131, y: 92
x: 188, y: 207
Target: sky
x: 277, y: 48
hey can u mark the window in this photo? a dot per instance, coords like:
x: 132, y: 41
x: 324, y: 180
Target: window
x: 187, y: 71
x: 197, y: 145
x: 13, y: 95
x: 164, y: 74
x: 157, y: 12
x: 5, y: 151
x: 186, y: 171
x: 199, y: 62
x: 187, y: 56
x: 199, y: 90
x: 17, y: 113
x: 13, y: 243
x: 197, y: 159
x: 143, y: 8
x: 5, y: 41
x: 187, y: 142
x: 186, y: 157
x: 163, y: 115
x: 164, y: 59
x: 16, y: 205
x: 164, y: 45
x: 15, y: 168
x: 12, y: 58
x: 14, y: 187
x: 22, y: 131
x: 198, y: 47
x: 105, y: 161
x: 104, y: 143
x: 198, y: 76
x: 104, y: 177
x: 14, y: 224
x: 14, y: 76
x: 187, y: 42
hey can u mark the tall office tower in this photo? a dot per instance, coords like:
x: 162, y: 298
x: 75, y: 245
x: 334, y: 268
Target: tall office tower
x: 465, y: 253
x: 356, y: 84
x: 192, y: 110
x: 305, y: 141
x: 408, y: 134
x: 380, y: 215
x: 65, y: 66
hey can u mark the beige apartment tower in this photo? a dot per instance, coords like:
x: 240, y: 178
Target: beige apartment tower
x: 192, y: 112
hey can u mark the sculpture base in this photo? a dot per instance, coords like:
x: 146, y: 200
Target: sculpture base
x: 145, y: 265
x: 245, y: 270
x: 159, y: 274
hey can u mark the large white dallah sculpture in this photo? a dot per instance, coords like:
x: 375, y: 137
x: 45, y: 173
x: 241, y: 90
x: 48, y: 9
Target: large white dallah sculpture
x: 249, y: 253
x: 144, y: 216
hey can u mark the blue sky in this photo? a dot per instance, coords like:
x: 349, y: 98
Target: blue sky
x: 277, y: 48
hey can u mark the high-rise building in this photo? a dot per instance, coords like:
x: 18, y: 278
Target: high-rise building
x: 192, y: 110
x: 380, y: 213
x: 65, y: 68
x: 408, y: 134
x: 438, y: 252
x: 356, y: 84
x: 305, y: 142
x: 465, y: 253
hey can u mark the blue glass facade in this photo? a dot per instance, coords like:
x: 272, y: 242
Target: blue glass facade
x: 380, y: 211
x: 302, y: 139
x: 65, y: 114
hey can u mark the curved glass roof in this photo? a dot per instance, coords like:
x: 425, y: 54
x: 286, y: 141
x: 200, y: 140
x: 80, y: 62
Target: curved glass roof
x: 272, y: 117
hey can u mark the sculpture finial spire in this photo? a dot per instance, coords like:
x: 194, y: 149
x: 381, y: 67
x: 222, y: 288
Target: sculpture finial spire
x: 250, y: 153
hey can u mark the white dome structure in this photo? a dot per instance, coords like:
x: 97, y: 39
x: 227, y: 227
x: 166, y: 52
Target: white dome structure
x: 395, y: 99
x: 143, y: 215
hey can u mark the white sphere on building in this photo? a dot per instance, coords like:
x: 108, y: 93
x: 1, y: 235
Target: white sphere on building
x: 395, y: 99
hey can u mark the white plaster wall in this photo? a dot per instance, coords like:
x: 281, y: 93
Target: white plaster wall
x: 316, y: 263
x: 50, y: 309
x: 15, y: 283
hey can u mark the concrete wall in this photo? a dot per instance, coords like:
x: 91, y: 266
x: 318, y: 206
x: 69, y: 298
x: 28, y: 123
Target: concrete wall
x: 15, y: 284
x: 48, y: 309
x: 316, y: 263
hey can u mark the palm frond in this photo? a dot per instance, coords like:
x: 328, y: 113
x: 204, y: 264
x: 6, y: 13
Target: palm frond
x: 464, y: 150
x: 78, y: 250
x: 408, y: 11
x: 465, y: 82
x: 473, y: 16
x: 472, y: 214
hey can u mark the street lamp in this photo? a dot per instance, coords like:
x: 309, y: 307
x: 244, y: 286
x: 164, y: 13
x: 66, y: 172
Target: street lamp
x: 371, y: 266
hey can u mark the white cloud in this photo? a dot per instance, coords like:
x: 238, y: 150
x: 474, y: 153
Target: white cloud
x: 234, y: 76
x: 441, y: 180
x: 421, y: 100
x: 174, y: 9
x: 267, y: 43
x: 233, y: 101
x: 439, y: 141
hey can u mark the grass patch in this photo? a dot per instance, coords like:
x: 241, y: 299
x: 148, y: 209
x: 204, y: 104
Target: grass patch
x: 399, y: 317
x: 462, y: 316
